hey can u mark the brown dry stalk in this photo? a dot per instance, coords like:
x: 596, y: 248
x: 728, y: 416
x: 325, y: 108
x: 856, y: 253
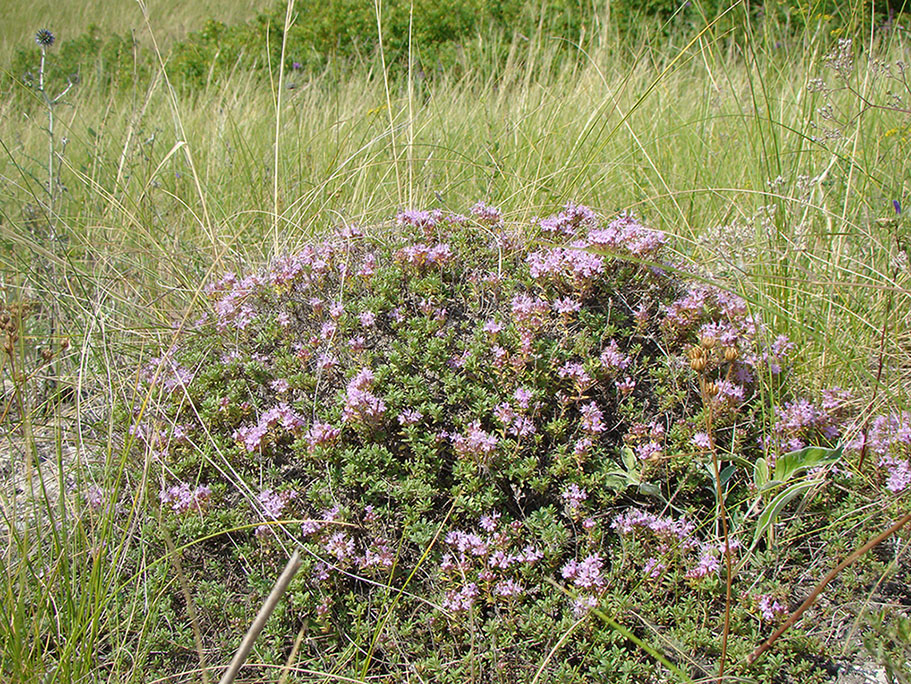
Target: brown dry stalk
x: 879, y: 371
x: 271, y: 601
x: 811, y: 599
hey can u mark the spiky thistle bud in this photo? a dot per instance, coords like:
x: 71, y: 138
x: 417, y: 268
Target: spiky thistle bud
x: 44, y: 37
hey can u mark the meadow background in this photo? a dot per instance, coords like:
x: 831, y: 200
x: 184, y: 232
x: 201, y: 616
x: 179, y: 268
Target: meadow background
x: 162, y: 144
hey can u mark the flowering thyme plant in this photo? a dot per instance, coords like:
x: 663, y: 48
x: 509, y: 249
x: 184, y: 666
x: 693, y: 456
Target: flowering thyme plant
x: 442, y: 406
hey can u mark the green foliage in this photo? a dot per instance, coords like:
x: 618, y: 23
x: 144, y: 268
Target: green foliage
x: 440, y: 36
x: 106, y: 60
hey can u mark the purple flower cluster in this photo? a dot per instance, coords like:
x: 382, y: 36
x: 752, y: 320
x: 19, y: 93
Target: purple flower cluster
x: 251, y: 436
x: 424, y: 220
x: 492, y: 216
x: 576, y: 371
x: 625, y: 234
x: 273, y: 503
x: 704, y: 301
x: 309, y: 266
x: 801, y: 422
x: 579, y: 264
x: 647, y: 439
x: 770, y: 608
x: 889, y: 438
x: 321, y: 434
x: 420, y: 255
x: 586, y: 575
x: 613, y: 359
x: 491, y: 565
x: 570, y: 265
x: 410, y: 417
x: 592, y: 420
x: 669, y: 533
x: 361, y: 405
x: 235, y: 300
x: 167, y: 373
x: 722, y: 319
x: 567, y: 306
x: 708, y: 564
x: 476, y: 444
x: 570, y: 221
x: 182, y: 497
x: 573, y: 496
x: 529, y: 312
x: 517, y: 423
x: 460, y: 600
x: 667, y: 539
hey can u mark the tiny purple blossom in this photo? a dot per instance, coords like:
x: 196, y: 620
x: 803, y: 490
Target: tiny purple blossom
x: 592, y: 418
x: 492, y: 327
x: 626, y: 386
x: 489, y: 521
x: 585, y: 574
x: 523, y: 397
x: 574, y: 495
x: 567, y: 305
x: 508, y: 588
x: 702, y: 440
x: 409, y: 417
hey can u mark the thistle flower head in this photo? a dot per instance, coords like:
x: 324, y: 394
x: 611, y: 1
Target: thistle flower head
x: 44, y: 38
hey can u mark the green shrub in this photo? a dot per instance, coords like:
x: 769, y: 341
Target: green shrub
x: 453, y: 416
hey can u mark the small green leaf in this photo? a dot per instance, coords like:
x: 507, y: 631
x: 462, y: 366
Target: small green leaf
x: 616, y: 481
x: 773, y: 510
x: 629, y: 459
x: 760, y: 473
x: 808, y: 457
x: 650, y: 489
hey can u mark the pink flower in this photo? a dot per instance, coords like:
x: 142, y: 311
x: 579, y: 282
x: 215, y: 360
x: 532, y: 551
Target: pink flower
x: 476, y: 443
x: 409, y: 417
x: 182, y: 497
x: 626, y: 386
x: 592, y: 418
x: 320, y: 434
x: 702, y: 440
x: 280, y: 385
x: 491, y: 327
x: 585, y: 574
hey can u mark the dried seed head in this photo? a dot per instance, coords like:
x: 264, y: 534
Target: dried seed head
x: 711, y: 389
x: 697, y: 358
x: 731, y: 353
x: 46, y: 354
x: 708, y: 342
